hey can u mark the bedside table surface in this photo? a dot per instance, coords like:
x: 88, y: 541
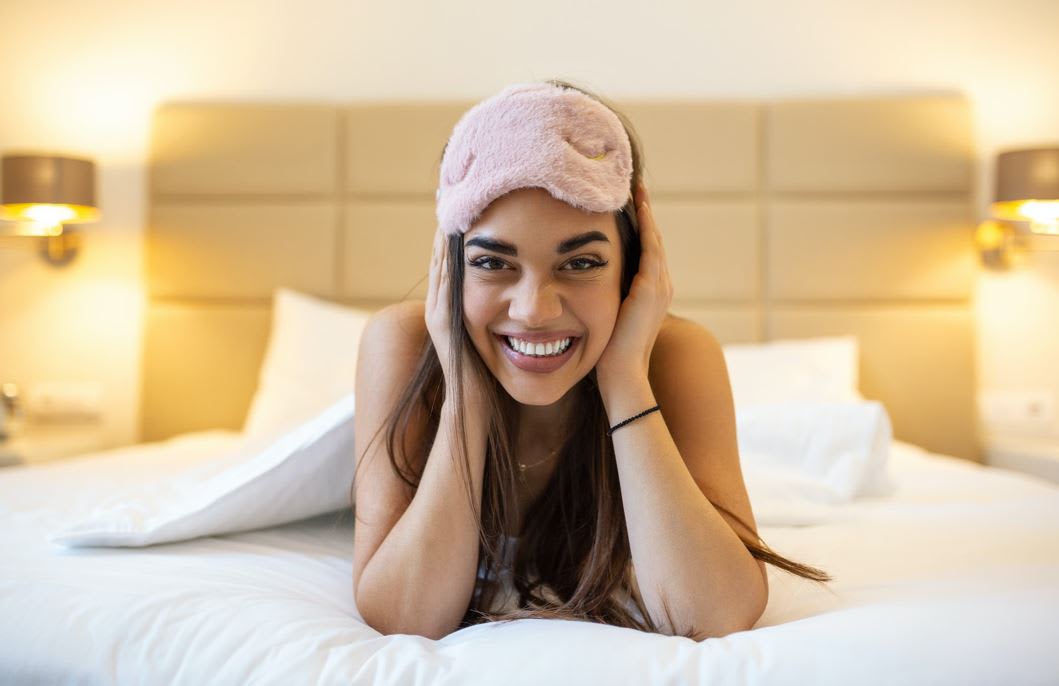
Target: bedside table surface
x: 36, y: 444
x: 1036, y: 457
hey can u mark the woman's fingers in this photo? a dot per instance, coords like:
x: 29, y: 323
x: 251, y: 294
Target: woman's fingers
x: 651, y: 240
x: 661, y: 261
x: 648, y: 239
x: 436, y: 321
x: 437, y: 304
x: 443, y: 272
x: 435, y: 270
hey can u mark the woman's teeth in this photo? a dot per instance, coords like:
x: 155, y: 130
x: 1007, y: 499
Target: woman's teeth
x: 539, y: 349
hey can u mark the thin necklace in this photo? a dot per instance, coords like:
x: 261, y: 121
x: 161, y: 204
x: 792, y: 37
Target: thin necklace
x: 523, y: 467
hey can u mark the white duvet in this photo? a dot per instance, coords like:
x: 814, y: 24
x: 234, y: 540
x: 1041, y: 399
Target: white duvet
x: 952, y: 578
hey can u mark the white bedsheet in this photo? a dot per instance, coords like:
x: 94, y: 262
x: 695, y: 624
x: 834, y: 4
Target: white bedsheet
x: 952, y: 579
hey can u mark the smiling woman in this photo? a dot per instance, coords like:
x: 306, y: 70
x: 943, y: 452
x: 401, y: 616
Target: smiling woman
x: 545, y: 329
x: 540, y: 271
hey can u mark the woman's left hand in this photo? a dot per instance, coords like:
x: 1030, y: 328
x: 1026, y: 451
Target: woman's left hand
x: 628, y: 353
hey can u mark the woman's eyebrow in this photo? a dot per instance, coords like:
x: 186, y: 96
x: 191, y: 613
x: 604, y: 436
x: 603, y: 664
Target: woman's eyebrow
x: 572, y: 243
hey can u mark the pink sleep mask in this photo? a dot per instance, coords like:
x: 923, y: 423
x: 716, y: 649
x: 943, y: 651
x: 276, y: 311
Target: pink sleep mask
x: 534, y: 135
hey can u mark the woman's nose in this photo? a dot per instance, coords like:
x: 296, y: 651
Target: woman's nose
x: 536, y: 303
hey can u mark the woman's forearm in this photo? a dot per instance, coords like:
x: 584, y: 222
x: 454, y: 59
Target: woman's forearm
x: 421, y: 578
x: 683, y: 550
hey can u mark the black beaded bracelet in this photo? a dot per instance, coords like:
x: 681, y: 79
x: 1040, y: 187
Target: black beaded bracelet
x: 626, y: 421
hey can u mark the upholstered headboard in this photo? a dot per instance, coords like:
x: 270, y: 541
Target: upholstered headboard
x: 783, y: 219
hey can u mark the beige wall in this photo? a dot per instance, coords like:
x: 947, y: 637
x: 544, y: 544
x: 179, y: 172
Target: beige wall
x: 83, y: 77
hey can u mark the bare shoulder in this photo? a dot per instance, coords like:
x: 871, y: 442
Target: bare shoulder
x: 672, y: 320
x: 406, y: 311
x: 675, y: 328
x: 391, y: 344
x: 402, y: 324
x: 677, y: 338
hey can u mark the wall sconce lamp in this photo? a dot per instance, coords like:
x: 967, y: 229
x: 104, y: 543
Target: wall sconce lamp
x: 42, y: 195
x: 1027, y: 194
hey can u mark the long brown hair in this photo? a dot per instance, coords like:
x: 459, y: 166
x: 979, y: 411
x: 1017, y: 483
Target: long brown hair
x: 575, y: 542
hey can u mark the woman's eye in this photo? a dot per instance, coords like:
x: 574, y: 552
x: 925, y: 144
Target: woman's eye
x: 589, y: 262
x: 482, y: 261
x: 585, y: 264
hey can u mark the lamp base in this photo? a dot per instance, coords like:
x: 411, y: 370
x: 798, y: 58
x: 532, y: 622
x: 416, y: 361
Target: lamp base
x: 60, y: 250
x: 1000, y: 245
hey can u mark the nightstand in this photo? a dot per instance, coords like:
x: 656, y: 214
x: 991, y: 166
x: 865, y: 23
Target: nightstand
x: 36, y: 444
x: 1031, y: 456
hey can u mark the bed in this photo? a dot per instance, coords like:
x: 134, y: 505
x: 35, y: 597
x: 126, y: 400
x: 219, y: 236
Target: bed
x: 796, y: 220
x: 950, y: 580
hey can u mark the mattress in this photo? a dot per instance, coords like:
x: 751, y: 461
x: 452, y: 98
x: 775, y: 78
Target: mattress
x: 952, y: 578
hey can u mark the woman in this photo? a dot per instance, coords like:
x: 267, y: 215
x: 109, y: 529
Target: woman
x: 544, y: 416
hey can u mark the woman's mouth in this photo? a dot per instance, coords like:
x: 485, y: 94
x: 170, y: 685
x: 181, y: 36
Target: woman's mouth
x: 533, y: 363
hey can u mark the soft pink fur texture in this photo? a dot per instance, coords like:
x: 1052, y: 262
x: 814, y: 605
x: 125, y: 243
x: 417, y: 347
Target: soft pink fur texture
x: 533, y: 135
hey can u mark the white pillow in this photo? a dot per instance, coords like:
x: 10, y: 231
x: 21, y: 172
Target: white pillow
x: 825, y: 452
x: 311, y: 361
x: 795, y: 369
x: 261, y: 481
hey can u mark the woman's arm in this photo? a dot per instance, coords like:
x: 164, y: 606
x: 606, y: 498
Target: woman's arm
x: 418, y: 579
x: 684, y: 550
x: 421, y: 578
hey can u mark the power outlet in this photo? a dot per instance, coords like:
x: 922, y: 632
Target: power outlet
x: 65, y: 401
x: 1030, y: 409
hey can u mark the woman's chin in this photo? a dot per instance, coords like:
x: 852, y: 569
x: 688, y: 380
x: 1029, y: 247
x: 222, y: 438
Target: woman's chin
x: 539, y: 398
x: 528, y: 388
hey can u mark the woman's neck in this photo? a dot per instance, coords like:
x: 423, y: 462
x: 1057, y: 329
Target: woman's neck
x: 545, y: 423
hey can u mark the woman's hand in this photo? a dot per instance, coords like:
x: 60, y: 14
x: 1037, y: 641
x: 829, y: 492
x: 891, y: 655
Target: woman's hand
x: 439, y: 323
x: 628, y: 353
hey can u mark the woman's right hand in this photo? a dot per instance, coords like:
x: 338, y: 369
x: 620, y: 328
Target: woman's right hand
x: 438, y: 321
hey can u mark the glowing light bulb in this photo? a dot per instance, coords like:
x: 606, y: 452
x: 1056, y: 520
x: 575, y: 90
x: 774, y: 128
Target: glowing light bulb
x: 1041, y: 211
x: 50, y: 215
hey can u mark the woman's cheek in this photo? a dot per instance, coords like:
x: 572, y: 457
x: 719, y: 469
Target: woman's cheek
x: 603, y: 329
x: 476, y: 315
x: 602, y: 334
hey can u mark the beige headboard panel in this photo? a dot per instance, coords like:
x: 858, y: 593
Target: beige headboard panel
x: 782, y: 219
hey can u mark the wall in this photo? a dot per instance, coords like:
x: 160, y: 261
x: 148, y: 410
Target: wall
x: 84, y: 76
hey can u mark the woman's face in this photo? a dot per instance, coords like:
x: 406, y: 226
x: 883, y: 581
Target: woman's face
x: 520, y: 278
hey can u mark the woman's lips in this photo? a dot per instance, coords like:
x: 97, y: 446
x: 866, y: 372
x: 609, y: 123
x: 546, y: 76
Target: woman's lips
x: 540, y: 365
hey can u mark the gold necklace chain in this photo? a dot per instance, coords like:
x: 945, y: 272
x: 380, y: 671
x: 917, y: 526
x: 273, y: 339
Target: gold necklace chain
x: 523, y: 467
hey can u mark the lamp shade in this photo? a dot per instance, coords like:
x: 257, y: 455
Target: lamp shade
x: 42, y: 188
x: 1027, y: 186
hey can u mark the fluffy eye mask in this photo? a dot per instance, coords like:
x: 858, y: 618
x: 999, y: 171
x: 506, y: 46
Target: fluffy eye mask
x: 534, y: 135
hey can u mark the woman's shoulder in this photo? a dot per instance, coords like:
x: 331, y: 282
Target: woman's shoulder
x: 675, y: 332
x: 404, y: 320
x: 675, y: 327
x: 406, y: 309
